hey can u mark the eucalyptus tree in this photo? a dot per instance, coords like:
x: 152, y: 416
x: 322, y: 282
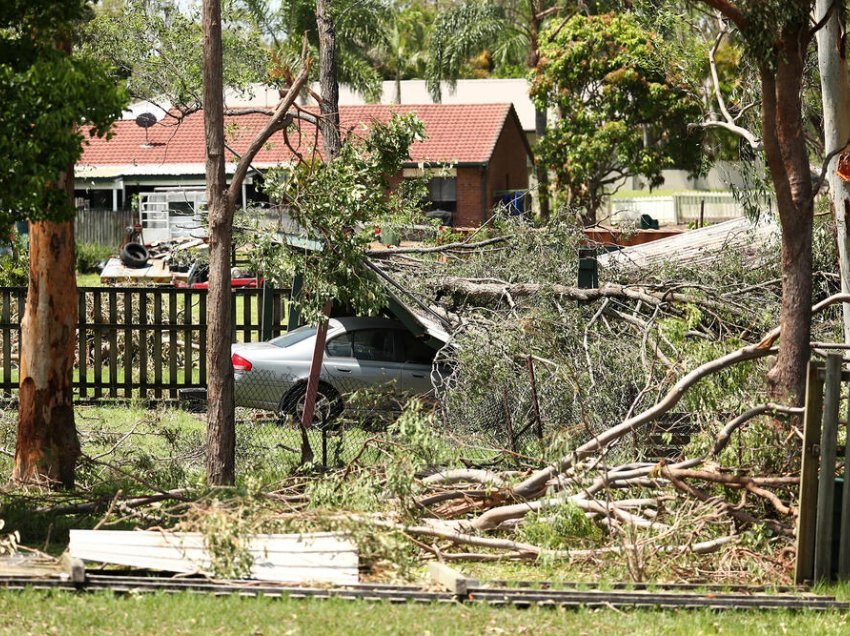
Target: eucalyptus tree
x: 776, y: 36
x: 51, y: 101
x: 835, y: 95
x: 156, y: 47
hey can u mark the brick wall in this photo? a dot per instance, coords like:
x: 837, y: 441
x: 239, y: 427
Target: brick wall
x: 469, y: 210
x: 508, y: 169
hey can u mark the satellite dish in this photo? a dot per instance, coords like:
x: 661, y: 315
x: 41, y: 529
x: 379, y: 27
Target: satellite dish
x: 146, y: 120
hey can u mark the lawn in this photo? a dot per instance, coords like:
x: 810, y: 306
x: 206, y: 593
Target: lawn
x: 36, y: 612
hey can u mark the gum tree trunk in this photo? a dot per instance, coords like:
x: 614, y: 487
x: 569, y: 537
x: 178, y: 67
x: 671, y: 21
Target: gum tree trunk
x: 540, y: 171
x: 331, y: 137
x: 221, y: 424
x: 835, y: 94
x: 329, y: 106
x: 785, y: 148
x: 47, y: 447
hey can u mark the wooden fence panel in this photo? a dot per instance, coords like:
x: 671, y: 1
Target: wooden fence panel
x: 104, y: 227
x: 146, y: 342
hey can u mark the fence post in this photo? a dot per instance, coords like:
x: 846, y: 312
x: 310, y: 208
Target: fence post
x: 826, y: 478
x: 809, y: 476
x: 294, y: 312
x: 266, y: 311
x: 508, y: 421
x: 534, y: 401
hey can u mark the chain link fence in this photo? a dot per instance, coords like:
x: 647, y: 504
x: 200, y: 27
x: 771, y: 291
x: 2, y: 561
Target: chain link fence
x: 351, y: 416
x: 515, y: 422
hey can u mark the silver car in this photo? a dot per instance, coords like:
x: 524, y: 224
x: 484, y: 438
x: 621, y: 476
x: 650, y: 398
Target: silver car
x: 359, y: 353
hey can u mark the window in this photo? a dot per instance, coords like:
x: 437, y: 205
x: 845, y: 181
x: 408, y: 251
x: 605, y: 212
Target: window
x: 340, y: 347
x: 442, y: 191
x: 413, y: 350
x: 367, y: 344
x: 374, y: 344
x: 293, y: 337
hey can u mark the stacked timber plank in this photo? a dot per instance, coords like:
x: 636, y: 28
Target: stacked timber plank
x: 321, y: 557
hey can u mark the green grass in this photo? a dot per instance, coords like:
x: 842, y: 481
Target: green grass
x: 36, y: 612
x: 88, y: 280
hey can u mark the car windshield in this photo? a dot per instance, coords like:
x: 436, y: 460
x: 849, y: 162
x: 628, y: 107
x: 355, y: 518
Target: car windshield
x: 293, y: 337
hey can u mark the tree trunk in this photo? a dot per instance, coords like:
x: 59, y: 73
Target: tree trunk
x: 47, y: 446
x: 835, y: 93
x: 331, y: 137
x: 329, y: 106
x: 540, y: 171
x: 221, y: 425
x: 785, y: 148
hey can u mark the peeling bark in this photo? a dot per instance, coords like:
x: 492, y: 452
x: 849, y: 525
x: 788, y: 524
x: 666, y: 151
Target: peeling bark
x: 835, y: 95
x: 47, y: 447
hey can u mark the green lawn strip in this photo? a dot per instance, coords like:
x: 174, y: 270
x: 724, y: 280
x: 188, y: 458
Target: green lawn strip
x: 31, y: 612
x: 88, y: 280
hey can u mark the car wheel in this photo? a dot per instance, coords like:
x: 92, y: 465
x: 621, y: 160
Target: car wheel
x: 328, y: 405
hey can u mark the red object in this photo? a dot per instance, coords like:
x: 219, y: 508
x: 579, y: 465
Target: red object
x: 238, y: 283
x: 240, y: 363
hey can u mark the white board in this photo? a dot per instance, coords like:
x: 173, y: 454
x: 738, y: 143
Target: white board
x: 321, y: 557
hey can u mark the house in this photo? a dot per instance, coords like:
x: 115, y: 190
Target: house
x: 474, y: 156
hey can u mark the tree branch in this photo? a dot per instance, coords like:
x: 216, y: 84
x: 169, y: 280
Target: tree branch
x: 462, y: 245
x: 729, y: 11
x: 535, y: 485
x: 275, y: 123
x: 729, y: 122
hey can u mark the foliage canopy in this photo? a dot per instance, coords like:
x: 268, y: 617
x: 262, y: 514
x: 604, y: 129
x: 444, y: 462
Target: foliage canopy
x: 623, y: 109
x: 51, y: 101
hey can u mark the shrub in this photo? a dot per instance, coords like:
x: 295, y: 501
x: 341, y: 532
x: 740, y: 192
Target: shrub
x: 90, y: 255
x: 14, y: 263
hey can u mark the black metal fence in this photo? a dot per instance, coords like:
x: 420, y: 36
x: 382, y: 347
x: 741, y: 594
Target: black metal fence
x: 144, y: 342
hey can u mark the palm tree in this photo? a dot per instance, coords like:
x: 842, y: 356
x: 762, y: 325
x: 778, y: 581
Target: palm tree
x: 359, y: 26
x: 401, y: 53
x: 510, y: 31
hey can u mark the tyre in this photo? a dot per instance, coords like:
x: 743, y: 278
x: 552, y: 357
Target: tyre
x: 134, y: 255
x: 328, y: 406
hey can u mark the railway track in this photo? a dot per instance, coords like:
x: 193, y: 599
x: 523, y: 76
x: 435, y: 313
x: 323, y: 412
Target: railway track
x: 497, y: 593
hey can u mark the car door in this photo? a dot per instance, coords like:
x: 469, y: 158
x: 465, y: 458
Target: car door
x: 417, y: 359
x: 339, y: 365
x: 363, y: 358
x: 374, y: 350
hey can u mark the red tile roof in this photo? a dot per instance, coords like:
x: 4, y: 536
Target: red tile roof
x: 455, y: 133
